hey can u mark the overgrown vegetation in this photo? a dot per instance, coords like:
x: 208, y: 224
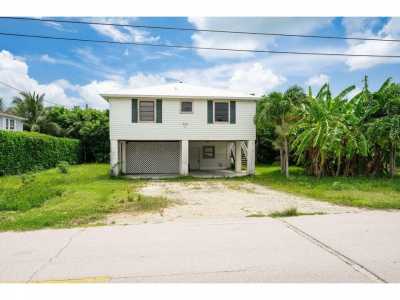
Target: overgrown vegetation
x: 360, y: 191
x: 82, y: 196
x: 26, y: 151
x: 334, y: 135
x: 90, y: 126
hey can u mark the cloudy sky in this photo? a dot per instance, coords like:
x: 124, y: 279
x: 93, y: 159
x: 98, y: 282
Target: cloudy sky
x: 73, y: 73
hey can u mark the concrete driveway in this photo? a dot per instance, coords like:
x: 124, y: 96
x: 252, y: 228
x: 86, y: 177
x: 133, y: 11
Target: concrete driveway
x: 349, y: 247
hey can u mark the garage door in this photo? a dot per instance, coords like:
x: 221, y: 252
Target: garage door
x: 152, y: 157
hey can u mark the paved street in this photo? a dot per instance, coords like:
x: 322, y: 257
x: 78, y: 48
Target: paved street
x: 349, y: 247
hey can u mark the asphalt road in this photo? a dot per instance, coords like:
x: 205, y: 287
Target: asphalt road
x: 350, y: 247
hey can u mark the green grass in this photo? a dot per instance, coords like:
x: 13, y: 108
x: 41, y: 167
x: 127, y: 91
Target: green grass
x: 82, y: 196
x: 256, y: 215
x: 291, y: 212
x: 379, y: 193
x: 86, y: 194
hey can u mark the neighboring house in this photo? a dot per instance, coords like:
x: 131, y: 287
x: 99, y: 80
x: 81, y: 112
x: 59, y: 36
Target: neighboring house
x: 11, y: 122
x: 178, y: 128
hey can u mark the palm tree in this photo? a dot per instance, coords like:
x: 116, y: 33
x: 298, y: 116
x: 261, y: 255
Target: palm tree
x: 30, y: 106
x: 279, y: 110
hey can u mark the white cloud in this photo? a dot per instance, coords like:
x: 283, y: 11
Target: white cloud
x: 318, y: 80
x: 363, y: 27
x: 48, y: 59
x: 123, y: 34
x: 250, y: 77
x: 14, y: 72
x: 251, y: 42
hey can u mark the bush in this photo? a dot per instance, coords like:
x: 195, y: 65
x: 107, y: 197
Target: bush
x: 21, y: 152
x: 63, y: 167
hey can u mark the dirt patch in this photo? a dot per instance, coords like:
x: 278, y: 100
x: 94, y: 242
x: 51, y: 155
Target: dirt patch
x: 215, y: 199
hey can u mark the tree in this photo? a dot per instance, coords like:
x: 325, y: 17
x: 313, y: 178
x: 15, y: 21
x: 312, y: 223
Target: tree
x: 383, y: 126
x: 279, y: 110
x: 2, y: 108
x: 30, y: 106
x: 90, y: 126
x: 328, y: 133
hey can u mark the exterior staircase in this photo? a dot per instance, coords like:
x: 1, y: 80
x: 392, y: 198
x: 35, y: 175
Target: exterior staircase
x: 243, y: 154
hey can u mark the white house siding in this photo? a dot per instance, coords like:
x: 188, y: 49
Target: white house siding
x: 178, y: 126
x: 219, y: 162
x: 18, y: 123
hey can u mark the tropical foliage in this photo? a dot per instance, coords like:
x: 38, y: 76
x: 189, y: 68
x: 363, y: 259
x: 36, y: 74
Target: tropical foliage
x: 279, y: 110
x: 336, y: 135
x: 90, y: 126
x: 30, y: 106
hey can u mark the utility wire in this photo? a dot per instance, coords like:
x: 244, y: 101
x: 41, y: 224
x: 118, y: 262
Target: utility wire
x: 203, y: 30
x: 194, y: 47
x: 22, y: 91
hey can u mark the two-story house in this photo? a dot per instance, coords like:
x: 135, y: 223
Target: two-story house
x: 11, y: 122
x: 180, y: 128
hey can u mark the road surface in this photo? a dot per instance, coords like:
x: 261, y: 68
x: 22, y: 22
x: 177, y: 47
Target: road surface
x: 348, y: 247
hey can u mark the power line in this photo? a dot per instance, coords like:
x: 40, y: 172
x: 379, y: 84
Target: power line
x: 204, y: 30
x: 194, y: 47
x: 22, y: 91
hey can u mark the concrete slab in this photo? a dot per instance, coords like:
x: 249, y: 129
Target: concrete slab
x: 238, y: 250
x: 371, y: 238
x: 24, y: 253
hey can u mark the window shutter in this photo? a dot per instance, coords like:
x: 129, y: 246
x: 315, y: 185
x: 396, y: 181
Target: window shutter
x: 210, y: 112
x: 134, y: 110
x: 159, y: 111
x: 233, y: 112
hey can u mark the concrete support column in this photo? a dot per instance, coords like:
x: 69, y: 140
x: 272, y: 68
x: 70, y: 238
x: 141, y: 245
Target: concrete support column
x: 238, y: 156
x: 184, y: 164
x: 123, y: 158
x: 114, y: 158
x: 251, y: 157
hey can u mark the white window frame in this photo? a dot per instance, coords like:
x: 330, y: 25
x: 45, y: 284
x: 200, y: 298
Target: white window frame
x: 155, y: 110
x: 12, y: 121
x: 229, y: 111
x: 185, y: 112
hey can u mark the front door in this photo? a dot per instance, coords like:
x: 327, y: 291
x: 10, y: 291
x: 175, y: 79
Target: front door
x: 194, y: 158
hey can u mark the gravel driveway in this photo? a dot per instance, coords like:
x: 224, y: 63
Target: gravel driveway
x: 215, y: 199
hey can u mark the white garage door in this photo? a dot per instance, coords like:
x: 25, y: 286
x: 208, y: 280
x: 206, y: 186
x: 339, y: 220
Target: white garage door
x: 152, y: 157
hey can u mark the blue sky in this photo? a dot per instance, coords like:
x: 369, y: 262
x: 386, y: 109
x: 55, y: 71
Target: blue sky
x: 73, y: 73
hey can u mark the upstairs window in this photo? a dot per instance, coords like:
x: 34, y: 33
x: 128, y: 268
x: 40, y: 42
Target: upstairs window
x: 221, y: 112
x: 146, y: 111
x: 186, y: 107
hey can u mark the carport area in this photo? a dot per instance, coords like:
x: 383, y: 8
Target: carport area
x: 167, y: 159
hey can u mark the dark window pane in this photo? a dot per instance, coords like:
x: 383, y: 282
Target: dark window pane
x: 221, y: 112
x: 146, y: 111
x: 186, y: 106
x: 208, y: 152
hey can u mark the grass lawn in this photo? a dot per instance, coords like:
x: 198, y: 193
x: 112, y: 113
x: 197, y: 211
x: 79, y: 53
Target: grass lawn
x: 382, y: 193
x: 84, y: 195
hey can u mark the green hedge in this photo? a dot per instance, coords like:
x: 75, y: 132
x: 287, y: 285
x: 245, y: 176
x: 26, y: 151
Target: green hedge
x: 25, y: 151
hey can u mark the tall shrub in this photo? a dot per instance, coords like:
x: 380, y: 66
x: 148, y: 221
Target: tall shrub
x: 25, y: 151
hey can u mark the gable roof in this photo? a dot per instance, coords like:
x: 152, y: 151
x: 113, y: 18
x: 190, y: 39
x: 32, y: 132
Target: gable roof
x: 3, y: 114
x: 180, y: 90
